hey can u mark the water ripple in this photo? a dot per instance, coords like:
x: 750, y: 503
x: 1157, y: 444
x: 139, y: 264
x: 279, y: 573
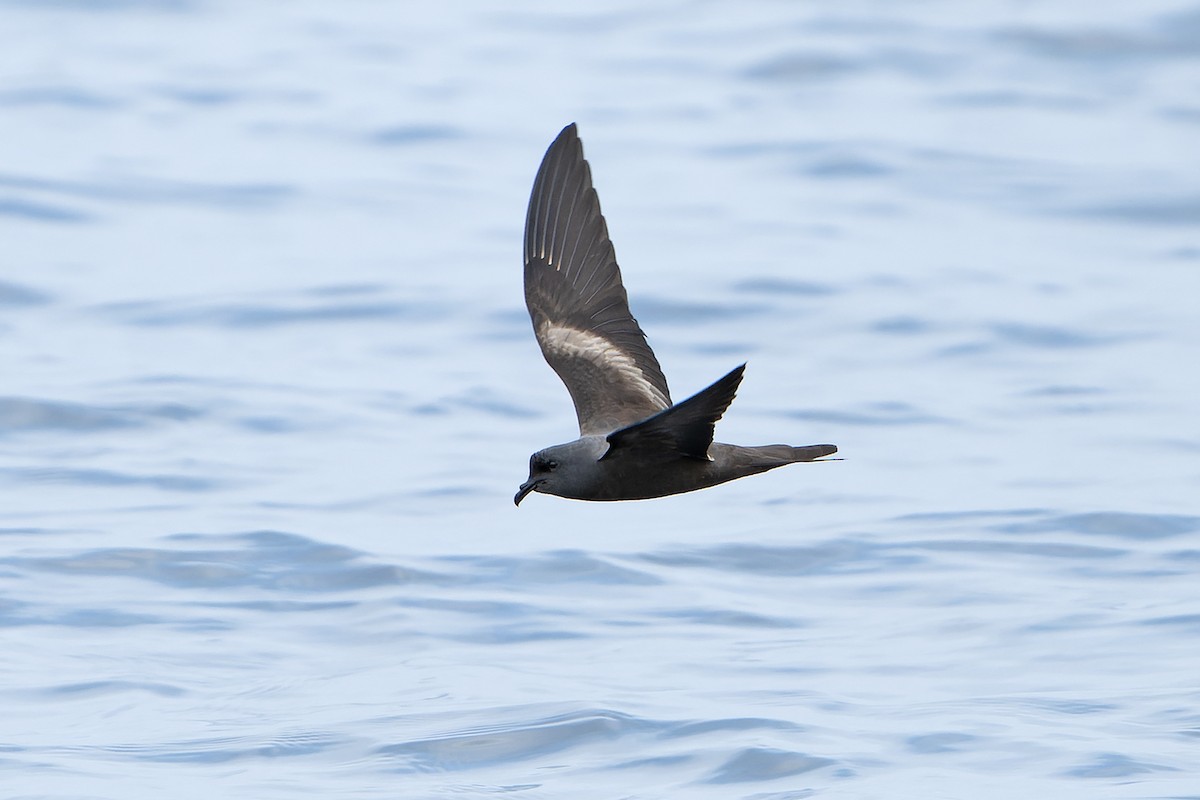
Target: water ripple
x: 1165, y: 211
x: 258, y: 315
x: 556, y: 567
x: 337, y: 304
x: 108, y: 478
x: 14, y: 295
x: 1099, y: 44
x: 727, y: 725
x: 94, y: 688
x: 836, y: 557
x: 41, y: 212
x: 803, y: 67
x: 76, y: 618
x: 154, y: 191
x: 764, y: 764
x: 1120, y: 524
x: 476, y: 398
x: 1041, y: 549
x: 266, y: 559
x: 233, y: 748
x: 414, y: 134
x: 507, y: 743
x: 66, y: 96
x: 660, y: 311
x: 1115, y: 765
x: 945, y: 742
x: 23, y: 414
x: 106, y: 6
x: 874, y: 414
x: 732, y: 619
x: 778, y: 286
x: 1013, y: 98
x: 1051, y: 336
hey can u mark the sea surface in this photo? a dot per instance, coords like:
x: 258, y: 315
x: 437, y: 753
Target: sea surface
x: 268, y: 386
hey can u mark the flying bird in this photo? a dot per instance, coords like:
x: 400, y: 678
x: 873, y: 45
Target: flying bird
x: 634, y: 443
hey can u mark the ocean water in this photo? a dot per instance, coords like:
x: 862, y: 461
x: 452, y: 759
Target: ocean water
x: 267, y: 387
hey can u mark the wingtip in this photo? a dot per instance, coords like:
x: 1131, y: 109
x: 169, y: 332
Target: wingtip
x: 566, y: 145
x: 735, y: 375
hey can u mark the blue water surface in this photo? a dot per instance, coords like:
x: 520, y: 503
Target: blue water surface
x: 267, y: 387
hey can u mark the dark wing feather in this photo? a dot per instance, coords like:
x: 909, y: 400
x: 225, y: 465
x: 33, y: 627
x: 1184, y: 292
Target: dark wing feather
x: 684, y: 429
x: 578, y: 305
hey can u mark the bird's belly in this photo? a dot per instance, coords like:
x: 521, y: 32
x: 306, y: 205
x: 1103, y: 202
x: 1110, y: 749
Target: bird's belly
x: 645, y: 481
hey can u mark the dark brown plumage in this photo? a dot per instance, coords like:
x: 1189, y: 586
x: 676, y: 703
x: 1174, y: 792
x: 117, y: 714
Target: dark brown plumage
x: 634, y: 444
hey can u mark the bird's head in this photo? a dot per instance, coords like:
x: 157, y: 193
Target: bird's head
x: 564, y: 470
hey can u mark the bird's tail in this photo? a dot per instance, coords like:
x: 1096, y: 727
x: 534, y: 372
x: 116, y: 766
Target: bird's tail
x: 786, y: 454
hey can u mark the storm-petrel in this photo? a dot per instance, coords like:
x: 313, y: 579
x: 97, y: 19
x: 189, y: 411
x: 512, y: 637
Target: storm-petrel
x: 633, y: 442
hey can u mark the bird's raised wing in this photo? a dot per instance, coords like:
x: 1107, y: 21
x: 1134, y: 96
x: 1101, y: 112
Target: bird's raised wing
x: 578, y: 305
x: 684, y: 429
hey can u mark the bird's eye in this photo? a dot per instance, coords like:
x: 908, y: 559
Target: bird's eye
x: 551, y: 464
